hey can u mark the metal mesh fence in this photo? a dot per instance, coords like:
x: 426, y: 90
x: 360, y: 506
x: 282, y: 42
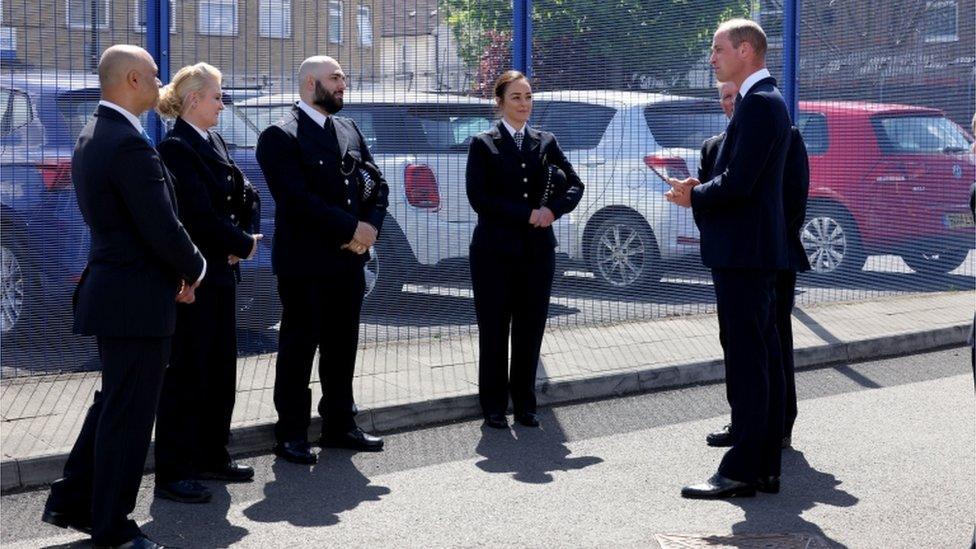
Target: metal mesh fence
x: 886, y: 101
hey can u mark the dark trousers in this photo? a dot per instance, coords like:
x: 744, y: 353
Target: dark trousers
x: 199, y: 387
x: 785, y: 299
x: 511, y: 295
x: 105, y: 466
x: 755, y: 380
x: 320, y: 312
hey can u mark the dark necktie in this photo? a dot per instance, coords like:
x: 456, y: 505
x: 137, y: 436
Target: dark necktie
x: 518, y: 140
x: 738, y: 99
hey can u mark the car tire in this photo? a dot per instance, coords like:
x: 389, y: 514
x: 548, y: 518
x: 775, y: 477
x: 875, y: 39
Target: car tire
x: 390, y: 264
x: 832, y: 242
x: 623, y: 253
x: 19, y: 294
x: 935, y: 262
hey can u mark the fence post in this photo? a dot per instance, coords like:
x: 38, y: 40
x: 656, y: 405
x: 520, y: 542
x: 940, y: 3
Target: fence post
x: 522, y: 36
x: 157, y: 44
x: 791, y: 55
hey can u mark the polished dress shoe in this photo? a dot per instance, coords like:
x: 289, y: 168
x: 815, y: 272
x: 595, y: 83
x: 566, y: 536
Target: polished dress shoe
x: 527, y: 419
x: 65, y: 519
x: 296, y: 451
x: 768, y: 484
x: 719, y: 487
x: 496, y: 421
x: 230, y: 472
x: 720, y: 438
x: 183, y: 491
x: 356, y: 439
x: 138, y: 542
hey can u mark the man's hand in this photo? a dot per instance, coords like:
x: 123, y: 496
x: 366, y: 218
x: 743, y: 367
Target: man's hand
x: 680, y: 193
x: 187, y: 293
x: 544, y: 218
x: 365, y: 235
x: 234, y: 260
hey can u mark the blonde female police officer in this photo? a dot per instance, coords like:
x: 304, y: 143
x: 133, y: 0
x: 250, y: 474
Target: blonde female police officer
x: 519, y: 182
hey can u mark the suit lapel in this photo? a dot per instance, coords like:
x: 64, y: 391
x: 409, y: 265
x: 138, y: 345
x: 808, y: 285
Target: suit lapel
x: 204, y: 148
x: 309, y: 128
x: 341, y: 140
x: 504, y: 140
x: 531, y: 141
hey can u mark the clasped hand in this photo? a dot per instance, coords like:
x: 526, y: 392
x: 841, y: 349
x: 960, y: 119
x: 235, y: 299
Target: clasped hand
x: 363, y: 239
x: 541, y: 218
x: 680, y: 193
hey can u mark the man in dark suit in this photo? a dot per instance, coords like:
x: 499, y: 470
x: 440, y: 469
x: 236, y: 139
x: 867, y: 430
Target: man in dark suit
x: 739, y: 213
x: 796, y: 184
x: 330, y: 203
x: 140, y: 264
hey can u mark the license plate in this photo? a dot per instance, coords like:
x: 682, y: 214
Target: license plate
x: 956, y: 220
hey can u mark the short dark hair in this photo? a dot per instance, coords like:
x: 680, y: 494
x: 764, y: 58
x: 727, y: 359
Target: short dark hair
x: 505, y: 79
x: 745, y: 30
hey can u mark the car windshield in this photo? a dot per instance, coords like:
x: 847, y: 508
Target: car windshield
x: 920, y: 134
x: 577, y: 125
x: 235, y: 128
x: 76, y: 107
x: 684, y: 124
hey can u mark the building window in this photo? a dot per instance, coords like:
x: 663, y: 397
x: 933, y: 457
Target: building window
x: 79, y: 14
x: 769, y: 14
x: 217, y: 17
x: 941, y: 21
x: 274, y: 18
x: 364, y: 23
x: 335, y: 22
x: 139, y: 12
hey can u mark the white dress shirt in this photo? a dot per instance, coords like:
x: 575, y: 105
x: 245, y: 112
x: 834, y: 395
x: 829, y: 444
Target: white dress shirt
x: 511, y: 129
x: 749, y: 82
x: 314, y: 114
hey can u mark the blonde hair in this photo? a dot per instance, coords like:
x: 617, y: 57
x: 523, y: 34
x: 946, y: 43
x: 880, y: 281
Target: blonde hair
x: 189, y: 79
x: 745, y: 30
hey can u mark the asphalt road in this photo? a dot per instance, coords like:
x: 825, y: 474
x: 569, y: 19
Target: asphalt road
x: 883, y: 457
x: 441, y: 304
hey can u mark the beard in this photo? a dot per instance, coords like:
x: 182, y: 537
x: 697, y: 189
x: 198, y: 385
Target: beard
x: 326, y: 99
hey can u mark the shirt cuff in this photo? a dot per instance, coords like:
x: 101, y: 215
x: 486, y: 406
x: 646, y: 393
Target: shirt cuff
x: 203, y: 273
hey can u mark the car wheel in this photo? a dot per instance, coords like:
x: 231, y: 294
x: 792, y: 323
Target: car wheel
x: 389, y: 265
x: 19, y: 290
x: 832, y: 242
x: 623, y: 253
x: 935, y: 262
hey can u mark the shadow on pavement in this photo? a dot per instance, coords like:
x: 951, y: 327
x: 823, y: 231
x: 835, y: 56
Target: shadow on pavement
x: 202, y: 522
x: 803, y: 489
x: 530, y: 455
x: 334, y: 484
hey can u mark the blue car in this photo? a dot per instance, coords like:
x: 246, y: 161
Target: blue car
x: 44, y: 239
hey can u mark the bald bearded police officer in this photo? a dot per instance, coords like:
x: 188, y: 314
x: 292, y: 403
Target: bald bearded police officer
x: 330, y: 201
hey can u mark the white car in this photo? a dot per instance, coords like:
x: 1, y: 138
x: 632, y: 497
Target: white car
x: 420, y: 142
x: 624, y: 230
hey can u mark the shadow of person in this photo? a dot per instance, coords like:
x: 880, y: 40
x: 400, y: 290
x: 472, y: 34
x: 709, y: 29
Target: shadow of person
x: 335, y: 485
x: 187, y: 525
x: 529, y: 454
x: 803, y: 489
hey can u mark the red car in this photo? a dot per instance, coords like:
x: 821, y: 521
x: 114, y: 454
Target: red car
x: 886, y: 179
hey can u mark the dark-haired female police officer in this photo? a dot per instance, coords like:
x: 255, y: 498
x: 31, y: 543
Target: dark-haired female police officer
x: 519, y: 182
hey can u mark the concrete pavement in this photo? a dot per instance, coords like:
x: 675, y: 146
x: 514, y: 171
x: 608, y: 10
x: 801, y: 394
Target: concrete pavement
x: 401, y: 384
x: 882, y: 458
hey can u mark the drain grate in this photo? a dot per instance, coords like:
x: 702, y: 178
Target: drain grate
x: 741, y: 541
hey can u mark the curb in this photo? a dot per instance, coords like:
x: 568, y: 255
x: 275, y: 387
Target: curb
x: 34, y: 471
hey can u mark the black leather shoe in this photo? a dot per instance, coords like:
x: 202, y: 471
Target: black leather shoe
x: 183, y: 491
x: 527, y: 419
x: 356, y: 439
x: 719, y: 487
x: 139, y: 542
x: 76, y: 521
x: 296, y: 451
x: 230, y: 472
x: 496, y: 421
x: 768, y: 485
x: 720, y: 438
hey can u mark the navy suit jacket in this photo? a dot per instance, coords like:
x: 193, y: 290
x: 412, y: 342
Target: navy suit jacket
x: 739, y: 211
x: 139, y: 249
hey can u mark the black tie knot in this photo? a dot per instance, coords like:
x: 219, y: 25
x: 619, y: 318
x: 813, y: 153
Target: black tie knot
x: 738, y: 99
